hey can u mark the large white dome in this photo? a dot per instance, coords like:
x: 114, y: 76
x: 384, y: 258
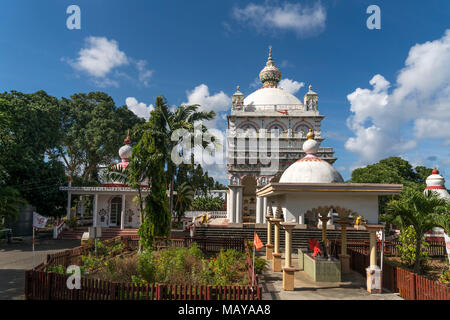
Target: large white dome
x: 270, y: 97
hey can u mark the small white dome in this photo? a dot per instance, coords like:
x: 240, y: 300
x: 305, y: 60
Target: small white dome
x: 436, y: 183
x: 125, y: 152
x: 311, y: 146
x: 311, y: 169
x: 270, y: 97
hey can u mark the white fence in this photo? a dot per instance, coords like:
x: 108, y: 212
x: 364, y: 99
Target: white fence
x: 210, y: 214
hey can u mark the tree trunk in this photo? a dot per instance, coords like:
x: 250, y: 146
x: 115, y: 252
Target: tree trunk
x: 418, y: 261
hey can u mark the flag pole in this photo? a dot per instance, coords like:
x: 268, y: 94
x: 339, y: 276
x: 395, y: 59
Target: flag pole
x: 253, y: 271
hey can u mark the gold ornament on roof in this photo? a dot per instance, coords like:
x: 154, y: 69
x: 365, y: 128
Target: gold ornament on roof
x: 310, y: 135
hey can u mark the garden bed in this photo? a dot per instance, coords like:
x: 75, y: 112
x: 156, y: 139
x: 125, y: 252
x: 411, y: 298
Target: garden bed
x: 171, y: 265
x: 434, y: 269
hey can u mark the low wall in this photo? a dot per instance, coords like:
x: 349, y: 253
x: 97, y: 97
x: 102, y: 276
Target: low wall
x: 322, y: 270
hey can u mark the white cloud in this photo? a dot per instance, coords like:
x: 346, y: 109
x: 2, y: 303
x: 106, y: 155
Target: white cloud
x: 301, y: 19
x: 419, y: 103
x: 144, y: 73
x: 200, y: 95
x: 291, y: 86
x: 99, y: 57
x: 140, y: 109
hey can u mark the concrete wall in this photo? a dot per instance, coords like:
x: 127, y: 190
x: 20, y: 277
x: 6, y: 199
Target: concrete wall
x: 295, y: 205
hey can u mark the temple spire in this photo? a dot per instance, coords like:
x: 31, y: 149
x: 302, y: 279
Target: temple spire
x: 270, y: 75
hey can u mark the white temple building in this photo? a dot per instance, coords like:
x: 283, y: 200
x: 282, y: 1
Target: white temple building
x: 269, y: 115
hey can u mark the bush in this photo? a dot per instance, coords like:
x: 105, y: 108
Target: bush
x: 260, y: 264
x: 207, y: 204
x: 72, y: 222
x: 227, y: 267
x: 172, y: 265
x: 407, y: 247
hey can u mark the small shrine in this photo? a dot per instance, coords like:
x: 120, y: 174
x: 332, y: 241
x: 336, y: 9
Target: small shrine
x: 309, y: 190
x: 113, y: 202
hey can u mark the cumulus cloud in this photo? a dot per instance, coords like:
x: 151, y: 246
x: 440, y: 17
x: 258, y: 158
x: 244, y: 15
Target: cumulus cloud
x: 218, y: 102
x: 291, y: 86
x: 418, y: 103
x: 99, y: 57
x: 200, y: 95
x: 140, y: 109
x: 303, y: 20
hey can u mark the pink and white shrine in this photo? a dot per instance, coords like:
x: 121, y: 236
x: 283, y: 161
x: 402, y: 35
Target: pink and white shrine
x: 113, y: 203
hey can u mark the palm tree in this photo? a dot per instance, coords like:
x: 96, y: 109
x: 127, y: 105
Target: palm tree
x: 443, y: 221
x: 184, y: 117
x: 419, y: 210
x: 184, y: 198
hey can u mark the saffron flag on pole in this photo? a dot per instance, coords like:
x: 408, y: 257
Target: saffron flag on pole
x: 39, y: 221
x: 257, y: 243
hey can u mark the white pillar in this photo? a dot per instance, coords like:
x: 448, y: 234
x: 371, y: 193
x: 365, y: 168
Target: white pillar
x: 232, y: 205
x: 239, y: 205
x: 264, y: 213
x: 122, y: 214
x: 69, y: 201
x: 95, y: 213
x: 258, y: 210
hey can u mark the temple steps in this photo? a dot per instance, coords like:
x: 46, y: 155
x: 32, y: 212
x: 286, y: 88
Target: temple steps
x: 300, y: 237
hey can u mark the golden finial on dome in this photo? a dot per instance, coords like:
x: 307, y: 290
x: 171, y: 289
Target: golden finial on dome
x: 238, y: 88
x: 310, y: 135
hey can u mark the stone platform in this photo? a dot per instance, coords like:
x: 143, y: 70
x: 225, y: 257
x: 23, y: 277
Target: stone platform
x: 320, y: 270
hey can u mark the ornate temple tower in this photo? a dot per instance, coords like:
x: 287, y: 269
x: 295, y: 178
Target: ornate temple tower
x: 271, y: 115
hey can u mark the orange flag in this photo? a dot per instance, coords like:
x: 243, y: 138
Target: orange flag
x: 257, y: 243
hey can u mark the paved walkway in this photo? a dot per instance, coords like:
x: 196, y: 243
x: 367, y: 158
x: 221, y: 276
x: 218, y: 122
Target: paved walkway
x: 17, y: 257
x: 352, y: 287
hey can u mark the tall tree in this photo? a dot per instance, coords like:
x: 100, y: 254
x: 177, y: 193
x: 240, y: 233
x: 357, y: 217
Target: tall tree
x: 93, y: 128
x: 148, y: 160
x: 29, y: 134
x: 184, y: 117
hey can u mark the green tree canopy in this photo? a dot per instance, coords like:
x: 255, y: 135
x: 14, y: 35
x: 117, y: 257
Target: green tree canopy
x: 29, y: 134
x: 93, y: 129
x: 393, y: 170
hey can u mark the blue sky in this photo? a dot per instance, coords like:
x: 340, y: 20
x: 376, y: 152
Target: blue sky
x: 198, y: 51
